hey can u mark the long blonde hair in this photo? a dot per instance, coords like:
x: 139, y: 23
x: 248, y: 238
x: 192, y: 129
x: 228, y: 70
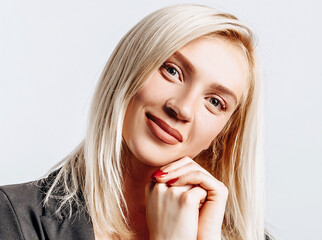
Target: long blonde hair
x: 95, y: 168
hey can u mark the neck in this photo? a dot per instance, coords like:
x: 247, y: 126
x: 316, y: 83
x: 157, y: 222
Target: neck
x: 136, y: 176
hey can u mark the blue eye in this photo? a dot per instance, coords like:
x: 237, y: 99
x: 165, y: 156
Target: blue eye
x: 171, y: 70
x: 217, y: 103
x: 214, y: 101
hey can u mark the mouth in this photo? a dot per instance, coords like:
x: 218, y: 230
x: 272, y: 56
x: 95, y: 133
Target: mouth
x: 162, y: 130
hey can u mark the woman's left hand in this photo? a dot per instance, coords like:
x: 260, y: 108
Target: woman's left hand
x: 212, y: 208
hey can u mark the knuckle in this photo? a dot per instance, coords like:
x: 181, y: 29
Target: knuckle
x: 198, y: 173
x: 188, y: 159
x: 191, y: 164
x: 224, y: 189
x: 172, y: 191
x: 158, y: 188
x: 187, y: 199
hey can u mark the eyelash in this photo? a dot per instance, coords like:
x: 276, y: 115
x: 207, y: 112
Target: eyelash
x: 167, y: 66
x: 219, y: 102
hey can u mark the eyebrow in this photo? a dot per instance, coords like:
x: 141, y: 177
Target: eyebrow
x: 185, y: 62
x: 224, y: 90
x: 190, y: 67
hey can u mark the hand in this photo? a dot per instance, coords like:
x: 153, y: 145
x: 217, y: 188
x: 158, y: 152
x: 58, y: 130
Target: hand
x: 171, y: 213
x: 211, y: 213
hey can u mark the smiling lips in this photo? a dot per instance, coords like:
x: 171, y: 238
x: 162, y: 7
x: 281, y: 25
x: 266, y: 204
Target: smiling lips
x: 162, y: 130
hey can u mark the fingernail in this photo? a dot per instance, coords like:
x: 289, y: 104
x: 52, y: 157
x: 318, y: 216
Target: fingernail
x: 158, y: 174
x: 172, y: 181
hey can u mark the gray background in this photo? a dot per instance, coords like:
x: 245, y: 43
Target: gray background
x: 52, y: 53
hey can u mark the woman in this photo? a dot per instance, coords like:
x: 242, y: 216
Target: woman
x: 178, y: 100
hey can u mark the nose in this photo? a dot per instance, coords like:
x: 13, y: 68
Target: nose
x: 180, y: 108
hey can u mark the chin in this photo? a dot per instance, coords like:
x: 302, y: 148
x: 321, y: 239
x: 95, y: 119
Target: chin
x: 154, y: 160
x: 151, y: 155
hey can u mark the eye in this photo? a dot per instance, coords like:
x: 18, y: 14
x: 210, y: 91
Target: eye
x: 214, y: 102
x: 217, y: 103
x: 171, y: 70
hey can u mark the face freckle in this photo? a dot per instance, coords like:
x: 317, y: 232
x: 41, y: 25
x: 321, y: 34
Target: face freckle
x: 186, y: 103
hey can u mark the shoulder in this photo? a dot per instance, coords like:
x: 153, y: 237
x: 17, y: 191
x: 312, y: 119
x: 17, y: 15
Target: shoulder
x: 21, y: 209
x: 23, y: 214
x: 27, y: 198
x: 22, y: 195
x: 19, y: 204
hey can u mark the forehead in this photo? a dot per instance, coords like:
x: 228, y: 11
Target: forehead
x: 218, y: 61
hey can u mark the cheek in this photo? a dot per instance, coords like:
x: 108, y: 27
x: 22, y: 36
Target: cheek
x: 152, y: 94
x: 156, y: 91
x: 206, y: 131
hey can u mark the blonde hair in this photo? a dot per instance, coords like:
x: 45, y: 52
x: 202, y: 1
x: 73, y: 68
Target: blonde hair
x: 95, y: 167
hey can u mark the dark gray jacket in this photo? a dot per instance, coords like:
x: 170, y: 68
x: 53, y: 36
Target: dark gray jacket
x: 23, y: 216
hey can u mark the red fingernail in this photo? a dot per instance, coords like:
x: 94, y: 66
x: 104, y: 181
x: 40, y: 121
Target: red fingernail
x: 158, y: 174
x: 172, y: 181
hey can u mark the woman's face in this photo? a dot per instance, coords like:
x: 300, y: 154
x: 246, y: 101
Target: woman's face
x: 186, y: 102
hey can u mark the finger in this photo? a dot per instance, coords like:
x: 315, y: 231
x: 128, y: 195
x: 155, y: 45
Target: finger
x: 216, y: 189
x: 153, y: 187
x: 196, y: 196
x: 154, y: 193
x: 179, y: 190
x: 176, y: 164
x: 159, y: 188
x: 157, y: 192
x: 182, y: 170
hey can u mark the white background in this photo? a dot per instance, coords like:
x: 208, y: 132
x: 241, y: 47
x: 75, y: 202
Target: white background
x: 52, y: 53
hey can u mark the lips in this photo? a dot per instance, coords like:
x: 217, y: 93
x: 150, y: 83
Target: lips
x: 162, y: 130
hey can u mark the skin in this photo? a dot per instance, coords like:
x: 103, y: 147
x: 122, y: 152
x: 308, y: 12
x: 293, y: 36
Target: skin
x: 195, y: 91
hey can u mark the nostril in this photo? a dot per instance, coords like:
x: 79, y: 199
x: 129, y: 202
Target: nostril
x: 173, y: 112
x: 170, y: 111
x: 176, y: 111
